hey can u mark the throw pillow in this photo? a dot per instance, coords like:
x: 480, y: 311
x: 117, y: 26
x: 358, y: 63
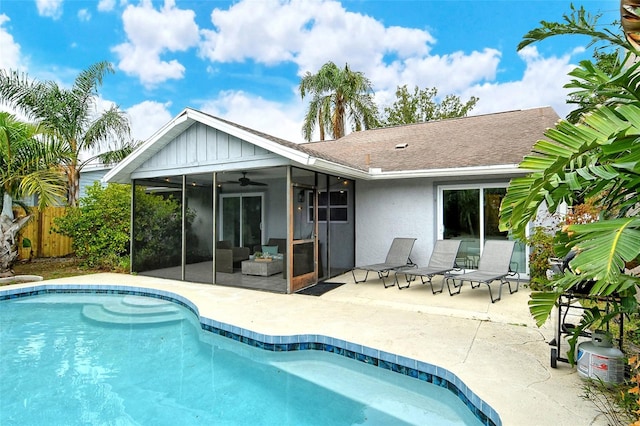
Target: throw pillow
x: 270, y: 249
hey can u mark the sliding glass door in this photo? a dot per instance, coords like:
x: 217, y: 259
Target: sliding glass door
x: 471, y: 214
x: 241, y: 219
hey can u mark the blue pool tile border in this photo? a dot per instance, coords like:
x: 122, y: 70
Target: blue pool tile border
x: 410, y: 367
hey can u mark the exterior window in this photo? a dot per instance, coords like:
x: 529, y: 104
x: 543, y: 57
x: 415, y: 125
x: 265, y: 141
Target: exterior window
x: 471, y: 214
x: 335, y: 203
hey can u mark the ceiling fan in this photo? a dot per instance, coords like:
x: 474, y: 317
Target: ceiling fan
x: 245, y: 181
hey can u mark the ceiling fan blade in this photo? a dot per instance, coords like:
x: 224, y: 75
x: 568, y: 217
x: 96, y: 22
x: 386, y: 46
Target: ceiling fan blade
x: 245, y: 181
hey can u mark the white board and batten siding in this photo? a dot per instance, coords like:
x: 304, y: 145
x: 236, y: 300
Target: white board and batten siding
x: 89, y: 176
x: 201, y: 149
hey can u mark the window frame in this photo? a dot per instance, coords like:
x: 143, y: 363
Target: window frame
x: 481, y: 187
x: 328, y: 207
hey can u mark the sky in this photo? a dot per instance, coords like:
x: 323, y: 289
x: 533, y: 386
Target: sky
x: 243, y: 60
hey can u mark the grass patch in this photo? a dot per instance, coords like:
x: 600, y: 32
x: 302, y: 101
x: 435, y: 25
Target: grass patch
x: 51, y: 268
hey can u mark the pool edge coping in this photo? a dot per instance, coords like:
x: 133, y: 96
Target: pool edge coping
x: 284, y: 343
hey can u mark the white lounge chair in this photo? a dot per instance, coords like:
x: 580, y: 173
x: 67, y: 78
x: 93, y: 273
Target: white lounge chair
x: 397, y: 257
x: 494, y: 265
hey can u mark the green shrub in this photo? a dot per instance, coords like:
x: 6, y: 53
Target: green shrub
x: 541, y: 243
x: 157, y: 231
x: 100, y: 226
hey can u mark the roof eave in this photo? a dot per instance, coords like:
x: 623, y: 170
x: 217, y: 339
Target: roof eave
x: 495, y: 170
x: 337, y: 169
x: 121, y: 173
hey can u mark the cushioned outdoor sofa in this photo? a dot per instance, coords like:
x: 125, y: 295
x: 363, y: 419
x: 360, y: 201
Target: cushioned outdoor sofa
x: 228, y: 256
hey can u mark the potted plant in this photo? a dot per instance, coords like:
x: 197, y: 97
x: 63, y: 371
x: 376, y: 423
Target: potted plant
x: 262, y: 257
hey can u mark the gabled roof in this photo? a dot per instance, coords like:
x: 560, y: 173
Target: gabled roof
x: 484, y: 144
x: 483, y: 141
x: 295, y: 152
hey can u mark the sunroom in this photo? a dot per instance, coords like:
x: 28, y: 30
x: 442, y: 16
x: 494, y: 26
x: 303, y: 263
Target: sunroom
x: 214, y: 202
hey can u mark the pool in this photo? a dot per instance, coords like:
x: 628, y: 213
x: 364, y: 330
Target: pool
x: 81, y: 358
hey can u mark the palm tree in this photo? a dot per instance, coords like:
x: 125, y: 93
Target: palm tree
x: 595, y: 157
x: 28, y: 166
x: 338, y: 96
x: 630, y: 20
x: 70, y: 117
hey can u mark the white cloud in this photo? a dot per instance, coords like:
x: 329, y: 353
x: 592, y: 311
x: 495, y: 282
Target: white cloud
x: 106, y: 5
x: 541, y: 85
x: 10, y: 57
x: 84, y: 15
x: 308, y: 33
x: 147, y: 117
x: 152, y: 33
x: 285, y: 120
x: 50, y: 8
x: 276, y: 119
x: 450, y: 74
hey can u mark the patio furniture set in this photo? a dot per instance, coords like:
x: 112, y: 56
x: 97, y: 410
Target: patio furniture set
x: 494, y: 264
x: 272, y: 262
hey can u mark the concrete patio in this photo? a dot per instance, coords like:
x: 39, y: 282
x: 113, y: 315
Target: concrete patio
x: 496, y: 349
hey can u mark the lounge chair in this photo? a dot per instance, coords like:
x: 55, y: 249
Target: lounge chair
x: 494, y: 264
x: 397, y: 257
x: 442, y: 261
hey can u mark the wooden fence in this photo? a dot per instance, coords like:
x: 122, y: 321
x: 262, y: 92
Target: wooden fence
x: 44, y: 242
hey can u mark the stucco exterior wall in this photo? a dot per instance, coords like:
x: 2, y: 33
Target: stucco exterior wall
x: 394, y: 208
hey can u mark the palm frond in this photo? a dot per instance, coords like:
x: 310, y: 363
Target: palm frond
x: 603, y: 248
x: 541, y: 304
x: 575, y: 157
x: 114, y: 156
x: 337, y: 95
x: 49, y: 185
x: 111, y: 125
x: 579, y: 22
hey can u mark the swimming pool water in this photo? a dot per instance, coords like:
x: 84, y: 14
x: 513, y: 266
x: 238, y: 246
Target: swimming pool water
x: 59, y: 367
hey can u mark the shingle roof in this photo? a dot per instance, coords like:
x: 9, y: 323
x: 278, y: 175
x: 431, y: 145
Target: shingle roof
x: 484, y: 140
x: 434, y: 148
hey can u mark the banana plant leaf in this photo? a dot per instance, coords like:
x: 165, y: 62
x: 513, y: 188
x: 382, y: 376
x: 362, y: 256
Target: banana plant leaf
x: 583, y: 158
x: 603, y: 249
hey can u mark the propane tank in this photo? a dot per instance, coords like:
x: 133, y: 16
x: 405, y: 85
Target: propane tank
x: 598, y: 359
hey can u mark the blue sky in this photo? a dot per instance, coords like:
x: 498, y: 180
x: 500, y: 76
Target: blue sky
x: 243, y: 60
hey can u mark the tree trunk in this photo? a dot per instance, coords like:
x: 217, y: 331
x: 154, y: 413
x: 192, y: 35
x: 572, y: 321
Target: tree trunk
x: 7, y: 206
x: 630, y: 20
x: 321, y: 125
x: 73, y: 186
x: 9, y: 230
